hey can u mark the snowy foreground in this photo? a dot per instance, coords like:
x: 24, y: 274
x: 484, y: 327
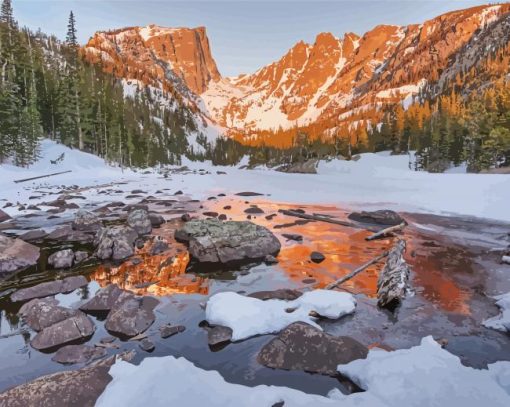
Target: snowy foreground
x: 424, y: 375
x: 374, y: 181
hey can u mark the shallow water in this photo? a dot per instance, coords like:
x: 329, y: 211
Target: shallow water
x: 450, y: 270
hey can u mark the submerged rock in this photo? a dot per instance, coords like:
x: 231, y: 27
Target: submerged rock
x: 301, y: 346
x: 86, y: 221
x: 380, y: 217
x: 78, y: 327
x: 115, y: 242
x: 49, y: 288
x: 214, y: 241
x: 62, y: 259
x: 71, y: 354
x: 286, y: 294
x: 140, y: 221
x: 15, y: 254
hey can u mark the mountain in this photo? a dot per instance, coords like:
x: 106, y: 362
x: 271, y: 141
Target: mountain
x: 334, y: 83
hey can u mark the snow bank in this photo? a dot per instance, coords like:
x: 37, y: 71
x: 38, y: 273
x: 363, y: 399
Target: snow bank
x: 500, y: 322
x: 424, y: 375
x: 248, y: 316
x: 427, y: 375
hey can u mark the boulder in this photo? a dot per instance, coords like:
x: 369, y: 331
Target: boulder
x: 219, y: 334
x: 105, y: 299
x: 77, y: 328
x: 61, y: 259
x: 49, y: 288
x: 115, y: 242
x: 158, y: 247
x: 168, y: 330
x: 301, y: 346
x: 15, y: 254
x: 4, y: 216
x: 214, y: 241
x: 32, y: 235
x: 139, y: 220
x: 80, y: 256
x: 286, y: 294
x: 71, y: 354
x: 305, y: 167
x: 156, y: 219
x: 380, y: 217
x: 131, y: 316
x: 85, y: 221
x: 42, y: 313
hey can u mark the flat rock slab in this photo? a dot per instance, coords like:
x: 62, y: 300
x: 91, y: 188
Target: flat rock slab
x: 42, y: 290
x: 32, y: 235
x: 214, y: 241
x: 76, y: 328
x: 301, y: 346
x: 380, y: 217
x: 167, y: 331
x: 286, y: 294
x: 132, y: 316
x: 71, y: 354
x: 42, y: 313
x: 105, y: 299
x: 15, y: 254
x: 80, y: 387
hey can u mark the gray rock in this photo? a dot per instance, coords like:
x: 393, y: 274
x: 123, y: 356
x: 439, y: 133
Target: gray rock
x: 317, y: 257
x: 115, y: 242
x: 67, y: 234
x: 139, y: 220
x: 254, y: 210
x: 156, y: 219
x: 158, y: 247
x: 147, y: 345
x: 80, y: 256
x: 86, y: 221
x: 62, y: 259
x: 168, y: 330
x: 214, y: 241
x: 105, y: 299
x: 42, y: 313
x: 80, y: 387
x: 49, y: 288
x: 380, y: 217
x: 269, y: 259
x: 15, y: 254
x: 305, y: 167
x: 76, y: 328
x: 132, y: 316
x: 301, y: 346
x: 4, y: 216
x: 71, y: 354
x: 219, y: 334
x: 293, y: 236
x: 32, y: 235
x: 283, y: 294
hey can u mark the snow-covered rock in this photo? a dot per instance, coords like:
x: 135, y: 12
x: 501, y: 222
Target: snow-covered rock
x: 248, y: 316
x: 500, y: 322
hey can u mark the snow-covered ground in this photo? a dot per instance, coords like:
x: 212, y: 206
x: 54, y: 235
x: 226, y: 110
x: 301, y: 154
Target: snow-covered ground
x: 374, y: 181
x: 425, y: 375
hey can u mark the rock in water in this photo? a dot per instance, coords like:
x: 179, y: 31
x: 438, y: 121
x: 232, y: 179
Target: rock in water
x: 4, y: 216
x: 62, y: 259
x: 286, y: 294
x: 167, y: 331
x: 317, y: 257
x: 156, y: 219
x: 105, y: 299
x: 147, y: 345
x: 381, y: 217
x: 76, y: 328
x: 219, y: 334
x: 71, y: 354
x: 301, y: 346
x: 214, y: 241
x: 42, y: 313
x: 392, y: 282
x: 140, y: 221
x: 132, y: 316
x: 15, y: 254
x: 115, y: 242
x: 66, y: 285
x: 86, y: 221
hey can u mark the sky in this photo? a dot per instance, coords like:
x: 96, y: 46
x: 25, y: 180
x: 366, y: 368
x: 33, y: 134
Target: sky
x: 244, y: 35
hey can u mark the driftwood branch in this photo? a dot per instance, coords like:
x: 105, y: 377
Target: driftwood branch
x: 393, y: 279
x: 386, y: 232
x: 354, y: 273
x: 319, y: 218
x: 41, y: 176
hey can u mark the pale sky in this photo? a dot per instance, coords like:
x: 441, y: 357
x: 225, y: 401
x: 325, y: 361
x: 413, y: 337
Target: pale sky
x: 244, y: 35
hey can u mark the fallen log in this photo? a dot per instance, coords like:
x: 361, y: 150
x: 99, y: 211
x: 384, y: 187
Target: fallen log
x: 41, y: 176
x: 386, y: 232
x: 319, y: 218
x: 354, y: 273
x: 393, y: 279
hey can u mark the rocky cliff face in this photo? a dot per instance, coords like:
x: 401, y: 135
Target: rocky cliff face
x: 330, y: 81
